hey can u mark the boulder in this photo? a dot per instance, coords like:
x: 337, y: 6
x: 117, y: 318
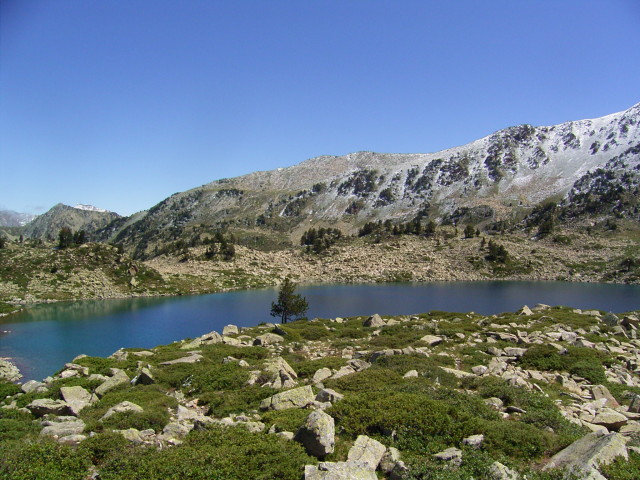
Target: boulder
x: 526, y: 311
x: 452, y: 455
x: 317, y: 435
x: 343, y: 372
x: 193, y: 357
x: 609, y: 418
x: 634, y: 406
x: 389, y: 460
x: 296, y: 398
x: 321, y: 375
x: 268, y: 339
x: 498, y: 471
x: 145, y: 377
x: 77, y: 397
x: 368, y: 451
x: 230, y: 330
x: 117, y: 378
x: 280, y: 373
x: 410, y: 374
x: 600, y: 391
x: 34, y: 386
x: 47, y: 406
x: 122, y: 407
x: 479, y: 370
x: 583, y: 456
x: 374, y: 321
x: 338, y: 471
x: 431, y: 340
x: 61, y: 427
x: 611, y: 320
x: 474, y: 441
x: 328, y: 395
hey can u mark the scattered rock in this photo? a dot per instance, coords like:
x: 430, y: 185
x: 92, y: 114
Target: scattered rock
x: 122, y: 407
x: 390, y: 460
x: 77, y: 398
x: 34, y: 386
x: 600, y: 391
x: 192, y: 358
x: 431, y: 340
x: 230, y: 330
x: 296, y: 398
x: 61, y: 427
x: 118, y: 377
x: 145, y: 377
x: 328, y: 395
x: 411, y: 374
x: 374, y: 321
x: 474, y: 441
x: 452, y: 455
x: 526, y: 311
x: 584, y: 456
x: 47, y: 406
x: 321, y: 375
x: 338, y: 471
x: 368, y: 451
x: 317, y: 434
x: 498, y: 471
x: 268, y: 339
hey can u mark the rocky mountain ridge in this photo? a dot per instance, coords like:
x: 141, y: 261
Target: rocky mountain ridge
x: 81, y: 217
x: 9, y: 218
x: 503, y: 175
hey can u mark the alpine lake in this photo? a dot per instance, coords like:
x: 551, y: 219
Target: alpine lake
x: 41, y: 339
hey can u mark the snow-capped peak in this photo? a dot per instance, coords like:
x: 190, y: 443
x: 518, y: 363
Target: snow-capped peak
x: 89, y: 208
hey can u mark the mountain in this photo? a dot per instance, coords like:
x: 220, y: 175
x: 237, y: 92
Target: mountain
x: 9, y: 218
x: 48, y: 225
x: 500, y: 176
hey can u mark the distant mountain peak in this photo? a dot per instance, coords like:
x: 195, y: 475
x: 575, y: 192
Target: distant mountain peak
x: 89, y: 208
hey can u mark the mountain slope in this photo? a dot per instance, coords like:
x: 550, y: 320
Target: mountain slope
x: 9, y: 218
x: 47, y: 225
x: 514, y: 168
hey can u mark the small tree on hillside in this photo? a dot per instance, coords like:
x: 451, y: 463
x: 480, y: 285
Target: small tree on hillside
x: 469, y: 231
x: 65, y: 238
x: 289, y: 304
x: 3, y: 241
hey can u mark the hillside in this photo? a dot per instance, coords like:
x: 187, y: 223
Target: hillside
x: 501, y: 177
x: 541, y: 393
x: 81, y: 217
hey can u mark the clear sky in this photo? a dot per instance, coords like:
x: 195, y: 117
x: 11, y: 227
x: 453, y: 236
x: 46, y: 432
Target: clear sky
x: 121, y: 103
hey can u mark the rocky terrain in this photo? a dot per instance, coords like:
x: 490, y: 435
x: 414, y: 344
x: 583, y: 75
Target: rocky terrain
x: 542, y: 393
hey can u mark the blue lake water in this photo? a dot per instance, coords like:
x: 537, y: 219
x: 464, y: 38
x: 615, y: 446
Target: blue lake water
x: 43, y: 338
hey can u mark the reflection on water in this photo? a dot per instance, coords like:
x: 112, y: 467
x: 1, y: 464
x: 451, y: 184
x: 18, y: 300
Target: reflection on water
x: 45, y: 337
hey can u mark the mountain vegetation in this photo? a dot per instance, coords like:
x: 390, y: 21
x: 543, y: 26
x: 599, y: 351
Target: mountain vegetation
x: 545, y: 393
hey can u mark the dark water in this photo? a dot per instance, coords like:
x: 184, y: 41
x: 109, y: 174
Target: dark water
x: 45, y: 337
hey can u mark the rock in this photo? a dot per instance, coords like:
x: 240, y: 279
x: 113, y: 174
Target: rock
x: 73, y: 439
x: 338, y: 471
x: 34, y: 386
x: 431, y: 340
x: 211, y: 338
x: 410, y: 374
x: 280, y: 373
x: 453, y: 455
x: 77, y: 398
x: 73, y: 370
x: 46, y: 406
x: 118, y: 378
x: 119, y: 355
x: 600, y: 391
x: 374, y: 321
x: 610, y: 320
x: 498, y: 471
x: 122, y: 407
x: 457, y: 373
x: 583, y: 456
x: 60, y: 427
x: 368, y: 451
x: 230, y: 330
x: 296, y: 398
x: 609, y: 418
x: 268, y: 339
x: 174, y: 430
x: 317, y: 435
x: 494, y: 402
x: 344, y: 371
x: 321, y: 375
x: 192, y: 358
x: 358, y: 364
x: 474, y: 441
x: 514, y: 351
x: 328, y: 395
x: 634, y: 406
x: 145, y: 377
x: 143, y: 353
x: 526, y: 311
x: 479, y: 370
x: 131, y: 434
x: 285, y: 435
x: 389, y: 460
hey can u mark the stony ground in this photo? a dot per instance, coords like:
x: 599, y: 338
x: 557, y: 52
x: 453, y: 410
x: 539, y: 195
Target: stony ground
x: 541, y: 393
x: 411, y: 258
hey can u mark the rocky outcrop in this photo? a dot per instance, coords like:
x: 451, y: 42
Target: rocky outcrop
x: 296, y: 398
x: 8, y: 371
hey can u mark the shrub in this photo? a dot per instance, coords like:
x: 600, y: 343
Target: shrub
x: 8, y: 389
x: 42, y: 460
x: 215, y: 453
x: 15, y: 424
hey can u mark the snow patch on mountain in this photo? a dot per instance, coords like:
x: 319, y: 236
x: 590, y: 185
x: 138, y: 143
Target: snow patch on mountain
x: 89, y: 208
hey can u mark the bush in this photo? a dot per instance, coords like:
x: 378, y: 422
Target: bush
x: 43, y: 460
x: 15, y: 424
x: 8, y: 389
x: 216, y: 453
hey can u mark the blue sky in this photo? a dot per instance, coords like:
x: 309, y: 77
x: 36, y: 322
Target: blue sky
x: 121, y: 103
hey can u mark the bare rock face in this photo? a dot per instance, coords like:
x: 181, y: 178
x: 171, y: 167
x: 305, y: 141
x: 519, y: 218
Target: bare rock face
x: 296, y: 398
x: 584, y: 456
x: 317, y: 434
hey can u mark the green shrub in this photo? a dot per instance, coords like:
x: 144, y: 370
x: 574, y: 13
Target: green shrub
x: 15, y: 424
x: 8, y: 389
x: 214, y: 454
x: 289, y: 420
x: 306, y: 368
x: 621, y: 469
x: 247, y: 398
x: 42, y: 460
x: 104, y: 445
